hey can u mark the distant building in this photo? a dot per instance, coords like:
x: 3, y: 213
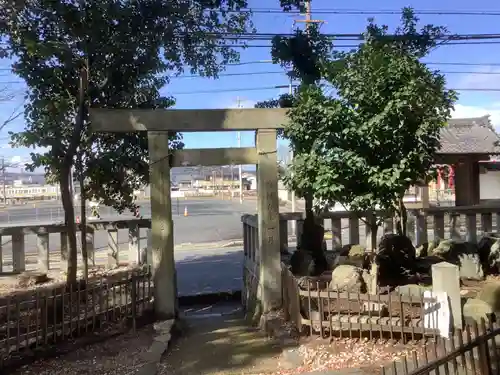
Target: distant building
x: 22, y: 192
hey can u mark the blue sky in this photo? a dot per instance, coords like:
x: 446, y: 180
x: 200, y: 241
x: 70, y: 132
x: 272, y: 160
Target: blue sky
x: 185, y: 89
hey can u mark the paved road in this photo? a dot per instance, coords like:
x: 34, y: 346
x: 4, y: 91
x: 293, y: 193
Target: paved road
x: 207, y: 221
x: 53, y: 211
x: 209, y: 271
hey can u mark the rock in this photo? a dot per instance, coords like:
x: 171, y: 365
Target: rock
x: 475, y: 309
x: 494, y: 257
x: 164, y: 326
x: 463, y: 254
x: 451, y: 248
x: 357, y: 251
x: 343, y: 259
x: 311, y: 283
x: 443, y: 248
x: 489, y: 252
x: 411, y: 290
x: 291, y: 359
x: 356, y: 261
x: 302, y: 263
x: 426, y: 248
x: 346, y: 278
x: 424, y: 265
x: 344, y: 251
x: 470, y: 267
x: 332, y: 258
x: 490, y: 293
x: 367, y: 277
x: 396, y: 257
x: 422, y: 250
x: 30, y: 278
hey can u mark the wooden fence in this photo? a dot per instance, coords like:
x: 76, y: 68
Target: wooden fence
x: 473, y: 351
x: 39, y: 318
x: 250, y: 291
x: 318, y: 308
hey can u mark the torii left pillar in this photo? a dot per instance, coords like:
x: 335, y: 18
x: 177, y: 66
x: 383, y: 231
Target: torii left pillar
x: 162, y: 233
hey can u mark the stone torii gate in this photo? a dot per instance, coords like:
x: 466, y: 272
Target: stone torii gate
x: 158, y: 123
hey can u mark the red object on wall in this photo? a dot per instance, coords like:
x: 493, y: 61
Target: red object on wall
x: 451, y: 177
x: 439, y: 177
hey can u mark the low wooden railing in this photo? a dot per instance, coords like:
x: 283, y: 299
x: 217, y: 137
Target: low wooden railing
x: 317, y: 308
x: 471, y: 351
x: 35, y: 319
x: 467, y: 223
x: 250, y: 262
x: 29, y: 245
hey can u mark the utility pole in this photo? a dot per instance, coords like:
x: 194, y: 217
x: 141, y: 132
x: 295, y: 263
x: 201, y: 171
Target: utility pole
x: 307, y: 21
x: 240, y: 179
x: 294, y: 208
x: 4, y: 182
x: 308, y: 17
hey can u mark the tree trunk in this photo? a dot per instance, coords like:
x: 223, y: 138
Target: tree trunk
x: 402, y: 219
x: 372, y: 223
x: 309, y: 206
x: 83, y: 221
x: 69, y: 220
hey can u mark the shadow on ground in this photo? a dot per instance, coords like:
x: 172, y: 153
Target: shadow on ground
x: 221, y: 273
x: 222, y: 346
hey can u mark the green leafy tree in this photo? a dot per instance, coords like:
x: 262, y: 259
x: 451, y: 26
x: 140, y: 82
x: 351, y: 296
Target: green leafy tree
x: 379, y: 134
x: 304, y: 55
x: 127, y: 49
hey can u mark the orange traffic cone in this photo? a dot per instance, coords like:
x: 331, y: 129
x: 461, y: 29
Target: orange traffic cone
x: 185, y: 211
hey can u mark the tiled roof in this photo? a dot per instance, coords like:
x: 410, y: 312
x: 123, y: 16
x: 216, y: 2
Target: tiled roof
x: 469, y: 136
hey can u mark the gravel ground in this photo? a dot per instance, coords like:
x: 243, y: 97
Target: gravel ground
x: 221, y: 347
x: 117, y: 356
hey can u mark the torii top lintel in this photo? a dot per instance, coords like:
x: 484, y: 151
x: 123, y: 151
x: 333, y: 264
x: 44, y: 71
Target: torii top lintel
x: 186, y: 120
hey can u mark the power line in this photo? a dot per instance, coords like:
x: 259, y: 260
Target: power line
x: 282, y: 72
x: 264, y: 88
x: 336, y: 36
x: 335, y: 11
x: 452, y: 63
x: 285, y: 86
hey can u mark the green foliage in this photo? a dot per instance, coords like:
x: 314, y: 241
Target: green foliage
x: 284, y: 101
x: 305, y: 54
x: 406, y: 37
x: 131, y: 48
x: 365, y: 146
x: 289, y: 5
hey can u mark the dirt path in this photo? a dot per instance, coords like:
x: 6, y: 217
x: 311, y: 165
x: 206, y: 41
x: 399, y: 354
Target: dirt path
x: 221, y: 346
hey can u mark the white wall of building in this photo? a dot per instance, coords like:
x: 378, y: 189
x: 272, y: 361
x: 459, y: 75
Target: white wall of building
x: 489, y: 185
